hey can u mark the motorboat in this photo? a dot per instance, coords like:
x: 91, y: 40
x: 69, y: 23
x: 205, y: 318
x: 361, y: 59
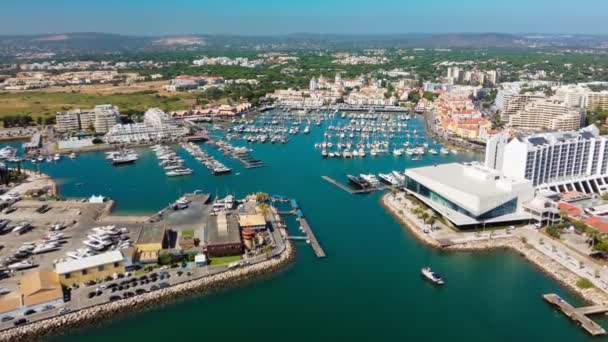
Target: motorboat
x: 432, y: 276
x: 21, y: 265
x: 22, y: 227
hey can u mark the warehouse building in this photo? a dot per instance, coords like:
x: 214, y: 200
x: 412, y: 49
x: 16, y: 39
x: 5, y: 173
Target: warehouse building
x: 90, y: 268
x: 223, y: 236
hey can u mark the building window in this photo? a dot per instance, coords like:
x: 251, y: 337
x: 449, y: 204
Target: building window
x: 101, y: 268
x: 67, y: 275
x: 116, y: 264
x: 84, y: 272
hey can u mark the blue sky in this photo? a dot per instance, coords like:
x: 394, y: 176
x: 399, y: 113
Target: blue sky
x: 167, y: 17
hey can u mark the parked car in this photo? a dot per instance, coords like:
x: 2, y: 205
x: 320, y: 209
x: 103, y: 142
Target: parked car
x: 64, y: 311
x: 20, y: 321
x: 29, y: 312
x: 7, y: 318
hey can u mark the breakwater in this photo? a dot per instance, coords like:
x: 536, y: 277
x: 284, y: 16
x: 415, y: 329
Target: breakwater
x: 38, y: 330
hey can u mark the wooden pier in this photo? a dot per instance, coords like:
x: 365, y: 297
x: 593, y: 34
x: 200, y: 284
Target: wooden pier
x: 309, y: 235
x: 351, y: 190
x: 579, y: 315
x: 316, y: 247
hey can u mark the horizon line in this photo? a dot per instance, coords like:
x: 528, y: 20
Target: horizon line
x: 308, y: 33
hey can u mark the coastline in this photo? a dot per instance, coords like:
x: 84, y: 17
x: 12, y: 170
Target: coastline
x: 545, y: 264
x: 204, y: 285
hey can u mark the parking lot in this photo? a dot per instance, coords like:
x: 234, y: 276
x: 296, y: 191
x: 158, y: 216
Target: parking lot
x: 77, y: 220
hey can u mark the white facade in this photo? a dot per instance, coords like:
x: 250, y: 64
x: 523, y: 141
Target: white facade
x: 560, y: 161
x: 547, y: 114
x: 509, y: 101
x: 495, y: 148
x: 106, y: 116
x: 157, y: 126
x: 470, y: 193
x: 100, y: 118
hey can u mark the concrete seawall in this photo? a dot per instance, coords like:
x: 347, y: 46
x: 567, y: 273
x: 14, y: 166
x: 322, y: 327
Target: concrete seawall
x: 92, y: 315
x: 548, y: 266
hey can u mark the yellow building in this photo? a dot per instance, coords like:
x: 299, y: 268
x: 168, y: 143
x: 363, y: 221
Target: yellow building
x: 252, y: 221
x: 36, y: 289
x: 40, y: 287
x: 91, y: 268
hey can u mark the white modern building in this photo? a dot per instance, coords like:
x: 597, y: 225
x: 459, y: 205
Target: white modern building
x: 547, y: 114
x: 558, y: 161
x: 100, y: 118
x: 471, y: 195
x: 581, y: 95
x: 510, y: 100
x: 495, y: 149
x: 157, y: 126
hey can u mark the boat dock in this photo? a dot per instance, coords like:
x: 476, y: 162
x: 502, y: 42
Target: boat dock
x: 310, y: 236
x: 579, y: 315
x: 247, y: 160
x: 351, y: 190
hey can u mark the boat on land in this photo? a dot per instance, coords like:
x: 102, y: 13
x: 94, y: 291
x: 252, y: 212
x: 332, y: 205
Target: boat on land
x: 432, y: 276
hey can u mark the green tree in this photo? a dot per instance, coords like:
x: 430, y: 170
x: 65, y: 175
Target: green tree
x: 165, y: 258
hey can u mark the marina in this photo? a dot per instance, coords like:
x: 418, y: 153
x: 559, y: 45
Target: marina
x: 347, y: 226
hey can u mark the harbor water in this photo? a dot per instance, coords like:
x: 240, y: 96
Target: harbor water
x: 368, y: 288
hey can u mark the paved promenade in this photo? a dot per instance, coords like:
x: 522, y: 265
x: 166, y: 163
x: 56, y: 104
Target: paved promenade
x: 553, y: 257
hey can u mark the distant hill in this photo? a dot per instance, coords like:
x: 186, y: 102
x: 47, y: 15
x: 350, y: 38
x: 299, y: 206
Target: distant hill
x: 104, y: 42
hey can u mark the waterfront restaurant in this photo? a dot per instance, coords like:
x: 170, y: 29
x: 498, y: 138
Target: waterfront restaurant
x: 252, y: 221
x: 95, y: 267
x: 470, y: 195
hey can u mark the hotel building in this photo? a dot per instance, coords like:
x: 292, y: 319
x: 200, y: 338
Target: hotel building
x: 559, y: 161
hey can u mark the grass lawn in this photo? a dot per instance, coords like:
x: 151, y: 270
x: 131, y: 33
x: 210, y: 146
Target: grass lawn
x: 225, y: 260
x: 41, y: 103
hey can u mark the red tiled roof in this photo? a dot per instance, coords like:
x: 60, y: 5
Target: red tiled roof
x: 570, y: 209
x: 597, y: 223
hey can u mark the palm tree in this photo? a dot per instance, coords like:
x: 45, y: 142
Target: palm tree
x: 394, y: 192
x: 425, y: 216
x: 263, y: 208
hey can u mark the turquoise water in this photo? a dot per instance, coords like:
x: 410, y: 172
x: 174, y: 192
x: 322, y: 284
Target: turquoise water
x: 367, y: 288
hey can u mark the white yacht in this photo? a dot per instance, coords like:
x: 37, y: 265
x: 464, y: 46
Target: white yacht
x: 22, y: 227
x: 432, y: 276
x: 21, y: 265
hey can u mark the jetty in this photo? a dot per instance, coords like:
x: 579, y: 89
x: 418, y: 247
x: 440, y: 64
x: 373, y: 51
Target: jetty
x: 579, y: 315
x: 310, y: 237
x: 354, y: 191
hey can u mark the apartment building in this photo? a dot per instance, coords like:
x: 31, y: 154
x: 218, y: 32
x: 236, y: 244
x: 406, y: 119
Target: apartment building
x: 509, y: 101
x: 547, y: 114
x: 100, y: 118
